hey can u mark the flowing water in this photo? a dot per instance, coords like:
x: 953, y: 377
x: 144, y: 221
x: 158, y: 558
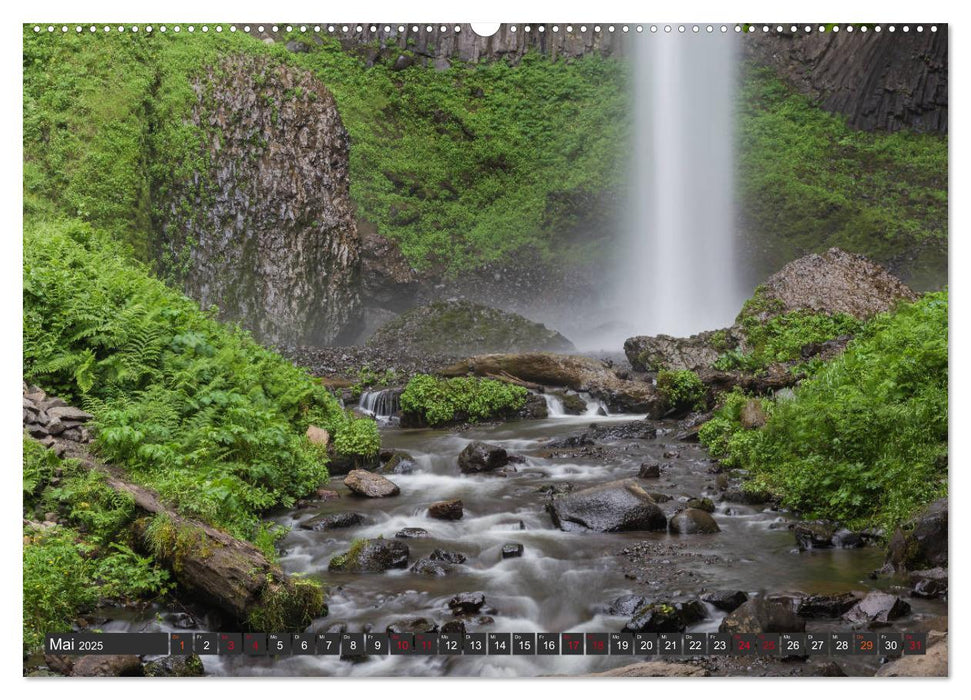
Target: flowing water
x: 564, y: 581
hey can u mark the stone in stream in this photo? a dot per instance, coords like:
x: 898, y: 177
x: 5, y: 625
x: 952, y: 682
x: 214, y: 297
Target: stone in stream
x: 447, y: 556
x: 705, y: 504
x: 466, y: 603
x: 877, y: 608
x: 922, y: 543
x: 446, y: 510
x: 332, y: 521
x: 413, y: 625
x: 635, y: 430
x: 691, y: 611
x: 725, y: 600
x: 512, y: 550
x: 175, y: 667
x: 482, y: 457
x: 826, y: 605
x: 814, y: 534
x: 656, y: 617
x: 429, y: 567
x: 398, y: 462
x: 323, y: 494
x: 372, y: 556
x: 365, y: 483
x: 617, y: 506
x: 626, y: 605
x: 411, y: 533
x: 929, y: 583
x: 847, y: 539
x: 762, y: 614
x: 453, y: 626
x: 693, y: 521
x: 659, y: 497
x: 581, y: 440
x: 649, y: 470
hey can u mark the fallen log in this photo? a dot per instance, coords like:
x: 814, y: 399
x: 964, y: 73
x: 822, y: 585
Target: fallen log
x: 217, y: 568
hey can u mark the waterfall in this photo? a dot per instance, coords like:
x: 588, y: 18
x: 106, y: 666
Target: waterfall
x: 383, y: 405
x: 678, y: 268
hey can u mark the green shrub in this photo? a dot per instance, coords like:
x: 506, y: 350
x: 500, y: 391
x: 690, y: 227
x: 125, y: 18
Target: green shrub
x: 441, y: 401
x: 682, y: 390
x: 865, y: 439
x: 192, y: 408
x: 126, y: 575
x: 39, y: 466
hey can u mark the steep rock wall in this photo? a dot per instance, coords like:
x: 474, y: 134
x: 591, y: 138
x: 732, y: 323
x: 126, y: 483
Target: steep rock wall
x: 266, y: 232
x: 878, y: 80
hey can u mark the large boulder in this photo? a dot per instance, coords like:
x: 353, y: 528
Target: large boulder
x: 616, y: 506
x: 877, y: 607
x: 922, y: 543
x: 653, y: 353
x: 570, y: 371
x: 371, y: 485
x: 763, y: 615
x: 831, y: 283
x: 929, y: 583
x: 693, y: 521
x: 332, y: 521
x: 466, y: 603
x: 458, y: 327
x: 446, y: 510
x: 482, y: 457
x: 827, y: 605
x: 372, y: 556
x: 656, y: 617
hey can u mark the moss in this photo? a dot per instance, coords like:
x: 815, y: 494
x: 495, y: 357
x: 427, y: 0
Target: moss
x: 288, y: 606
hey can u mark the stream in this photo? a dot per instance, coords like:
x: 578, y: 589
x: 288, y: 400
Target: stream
x: 564, y: 582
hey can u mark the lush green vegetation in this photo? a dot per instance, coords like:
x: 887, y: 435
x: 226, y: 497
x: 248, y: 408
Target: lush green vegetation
x: 192, y: 408
x: 69, y: 568
x: 441, y: 401
x: 682, y: 390
x: 782, y: 337
x: 864, y: 439
x: 808, y: 182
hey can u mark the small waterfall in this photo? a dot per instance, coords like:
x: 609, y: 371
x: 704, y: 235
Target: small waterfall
x: 383, y: 405
x: 556, y: 408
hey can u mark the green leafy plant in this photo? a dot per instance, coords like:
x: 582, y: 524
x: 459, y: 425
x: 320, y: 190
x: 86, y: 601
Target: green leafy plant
x: 682, y: 390
x: 442, y: 401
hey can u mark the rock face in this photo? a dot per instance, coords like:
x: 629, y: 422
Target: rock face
x: 389, y: 285
x: 457, y: 327
x: 371, y: 485
x: 570, y: 371
x: 877, y: 80
x: 264, y: 227
x: 372, y: 556
x: 616, y: 506
x: 923, y: 542
x: 831, y: 283
x: 693, y: 521
x: 482, y: 457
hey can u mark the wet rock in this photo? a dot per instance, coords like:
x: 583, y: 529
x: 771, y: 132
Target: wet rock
x: 453, y: 626
x: 398, y: 463
x: 446, y: 510
x: 429, y: 567
x: 635, y: 430
x: 414, y: 625
x: 332, y: 521
x: 654, y: 353
x: 411, y: 533
x: 572, y: 404
x: 512, y: 550
x: 466, y: 603
x: 184, y: 621
x: 877, y: 607
x: 725, y: 600
x: 671, y: 454
x: 371, y: 485
x: 692, y: 521
x: 933, y: 664
x: 108, y: 665
x: 327, y: 494
x: 847, y: 539
x: 656, y: 617
x: 752, y: 415
x: 318, y: 436
x: 447, y: 556
x: 827, y: 605
x: 828, y: 669
x: 557, y: 488
x: 535, y: 408
x: 922, y: 544
x: 929, y: 583
x: 626, y: 605
x: 570, y: 441
x: 762, y: 615
x: 691, y: 611
x: 649, y: 470
x: 482, y: 457
x: 616, y: 506
x: 371, y: 556
x: 175, y: 667
x: 745, y: 496
x: 659, y: 497
x: 705, y: 504
x: 814, y: 534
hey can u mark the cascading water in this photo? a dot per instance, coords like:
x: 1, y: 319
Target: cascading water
x: 679, y: 273
x: 381, y: 405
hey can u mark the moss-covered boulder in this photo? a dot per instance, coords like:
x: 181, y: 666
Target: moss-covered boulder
x: 463, y: 328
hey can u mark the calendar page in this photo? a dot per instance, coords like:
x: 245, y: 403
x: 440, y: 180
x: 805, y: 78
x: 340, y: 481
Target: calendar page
x: 547, y: 349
